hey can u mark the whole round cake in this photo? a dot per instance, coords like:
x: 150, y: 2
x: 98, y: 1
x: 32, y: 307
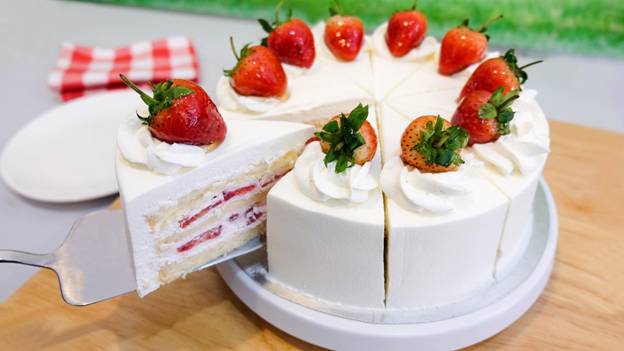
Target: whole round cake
x: 389, y: 171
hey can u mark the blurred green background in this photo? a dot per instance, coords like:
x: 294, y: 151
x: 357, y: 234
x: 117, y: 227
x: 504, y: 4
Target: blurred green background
x: 586, y: 26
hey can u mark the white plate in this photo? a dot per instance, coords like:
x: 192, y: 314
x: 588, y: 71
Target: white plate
x: 502, y: 305
x: 67, y: 154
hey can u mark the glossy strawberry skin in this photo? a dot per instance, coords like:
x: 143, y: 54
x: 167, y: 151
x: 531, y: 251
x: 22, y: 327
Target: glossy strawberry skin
x: 192, y: 119
x: 293, y: 43
x: 467, y: 116
x: 491, y: 75
x: 406, y: 30
x: 344, y: 36
x: 260, y: 73
x: 461, y: 47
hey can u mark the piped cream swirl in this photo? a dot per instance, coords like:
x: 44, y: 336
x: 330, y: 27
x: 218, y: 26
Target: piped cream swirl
x: 526, y: 147
x: 427, y: 192
x: 229, y: 99
x: 137, y: 145
x: 322, y: 183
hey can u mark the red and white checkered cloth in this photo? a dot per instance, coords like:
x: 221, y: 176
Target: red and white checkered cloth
x: 82, y: 70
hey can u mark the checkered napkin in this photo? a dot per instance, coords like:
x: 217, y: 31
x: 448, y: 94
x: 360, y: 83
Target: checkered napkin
x: 82, y: 70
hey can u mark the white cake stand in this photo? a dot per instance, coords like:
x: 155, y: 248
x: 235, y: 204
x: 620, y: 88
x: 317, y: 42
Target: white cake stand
x: 334, y: 332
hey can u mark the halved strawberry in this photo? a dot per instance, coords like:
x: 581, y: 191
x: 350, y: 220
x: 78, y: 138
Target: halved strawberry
x: 291, y: 39
x: 406, y: 30
x: 258, y: 72
x: 343, y: 34
x: 180, y: 111
x: 462, y: 46
x: 432, y: 145
x: 497, y: 72
x: 348, y: 139
x: 485, y: 115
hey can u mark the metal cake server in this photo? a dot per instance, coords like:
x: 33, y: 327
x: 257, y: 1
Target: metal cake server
x: 94, y: 263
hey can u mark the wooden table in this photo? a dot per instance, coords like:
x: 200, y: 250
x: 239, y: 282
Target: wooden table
x: 582, y: 307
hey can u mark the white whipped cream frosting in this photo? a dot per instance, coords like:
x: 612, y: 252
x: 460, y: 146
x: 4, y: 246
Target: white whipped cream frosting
x: 229, y: 99
x: 428, y: 192
x: 322, y: 183
x: 322, y: 51
x: 525, y: 148
x: 427, y: 48
x: 137, y: 145
x: 294, y: 72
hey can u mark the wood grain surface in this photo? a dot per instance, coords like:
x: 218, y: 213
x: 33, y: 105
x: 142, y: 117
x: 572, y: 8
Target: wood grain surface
x: 581, y: 309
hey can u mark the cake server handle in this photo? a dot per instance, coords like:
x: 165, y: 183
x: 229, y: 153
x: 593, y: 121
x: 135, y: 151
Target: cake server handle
x: 27, y: 258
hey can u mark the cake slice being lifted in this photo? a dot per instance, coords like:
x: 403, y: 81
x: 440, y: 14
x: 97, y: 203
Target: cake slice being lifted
x: 189, y: 199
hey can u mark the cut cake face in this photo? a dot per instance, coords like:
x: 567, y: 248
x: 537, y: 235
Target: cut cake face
x: 177, y: 222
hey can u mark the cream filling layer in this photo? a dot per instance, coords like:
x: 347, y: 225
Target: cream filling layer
x: 167, y: 218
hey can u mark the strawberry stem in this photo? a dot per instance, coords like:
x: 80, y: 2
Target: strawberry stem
x: 134, y: 87
x: 484, y: 26
x: 531, y: 64
x: 277, y: 12
x: 234, y: 49
x: 336, y: 8
x: 414, y: 5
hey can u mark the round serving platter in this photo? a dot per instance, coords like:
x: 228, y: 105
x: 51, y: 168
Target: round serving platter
x: 450, y: 327
x: 67, y: 153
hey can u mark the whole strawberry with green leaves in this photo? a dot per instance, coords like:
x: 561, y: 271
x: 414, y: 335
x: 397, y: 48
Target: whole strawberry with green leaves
x: 497, y: 72
x: 258, y: 72
x: 180, y: 111
x: 485, y: 115
x: 290, y: 39
x: 348, y: 139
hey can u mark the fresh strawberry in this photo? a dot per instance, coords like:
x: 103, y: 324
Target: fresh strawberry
x: 406, y: 30
x: 291, y: 40
x: 497, y: 72
x: 258, y: 72
x: 432, y: 145
x: 180, y: 111
x: 463, y: 46
x: 485, y: 115
x: 343, y: 34
x: 348, y: 139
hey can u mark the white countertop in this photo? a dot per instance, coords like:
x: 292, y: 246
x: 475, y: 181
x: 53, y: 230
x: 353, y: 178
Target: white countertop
x: 572, y: 88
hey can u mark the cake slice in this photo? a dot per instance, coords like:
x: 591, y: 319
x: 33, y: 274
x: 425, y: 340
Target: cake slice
x: 194, y: 188
x: 514, y: 164
x: 443, y: 228
x: 325, y: 231
x: 177, y: 222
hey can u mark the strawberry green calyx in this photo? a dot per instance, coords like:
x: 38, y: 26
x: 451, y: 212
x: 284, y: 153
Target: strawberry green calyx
x: 163, y: 95
x: 499, y: 108
x: 344, y: 137
x: 336, y: 8
x: 512, y: 62
x: 441, y: 146
x: 270, y: 27
x: 245, y: 51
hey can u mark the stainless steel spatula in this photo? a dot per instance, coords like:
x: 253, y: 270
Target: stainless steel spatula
x: 94, y: 263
